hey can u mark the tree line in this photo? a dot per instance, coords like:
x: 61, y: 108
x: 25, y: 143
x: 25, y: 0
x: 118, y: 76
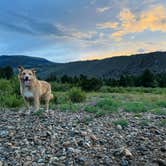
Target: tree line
x: 146, y: 79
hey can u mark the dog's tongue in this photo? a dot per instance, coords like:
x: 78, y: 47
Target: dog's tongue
x: 27, y: 82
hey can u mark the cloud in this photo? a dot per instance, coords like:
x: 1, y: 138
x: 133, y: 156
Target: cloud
x: 154, y: 19
x: 127, y: 48
x: 27, y: 25
x: 103, y: 9
x: 107, y: 25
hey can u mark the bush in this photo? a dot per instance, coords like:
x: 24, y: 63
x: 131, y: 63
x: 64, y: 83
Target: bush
x: 76, y: 95
x: 91, y: 84
x: 10, y: 101
x: 60, y: 87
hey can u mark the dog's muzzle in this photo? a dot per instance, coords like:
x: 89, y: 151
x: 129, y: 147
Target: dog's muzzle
x: 27, y: 81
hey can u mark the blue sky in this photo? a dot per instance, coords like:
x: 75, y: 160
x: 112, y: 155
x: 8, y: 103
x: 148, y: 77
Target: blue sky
x: 70, y: 30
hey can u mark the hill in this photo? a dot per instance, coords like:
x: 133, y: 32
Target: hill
x: 110, y: 67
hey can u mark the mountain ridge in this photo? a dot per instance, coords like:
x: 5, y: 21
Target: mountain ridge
x: 108, y: 67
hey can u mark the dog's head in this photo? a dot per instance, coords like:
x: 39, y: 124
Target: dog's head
x: 27, y: 76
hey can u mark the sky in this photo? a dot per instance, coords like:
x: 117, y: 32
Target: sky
x: 71, y: 30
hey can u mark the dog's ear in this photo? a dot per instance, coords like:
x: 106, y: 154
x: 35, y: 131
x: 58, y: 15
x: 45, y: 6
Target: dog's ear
x: 20, y: 68
x: 33, y: 71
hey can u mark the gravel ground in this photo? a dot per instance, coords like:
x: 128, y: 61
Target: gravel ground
x: 65, y: 138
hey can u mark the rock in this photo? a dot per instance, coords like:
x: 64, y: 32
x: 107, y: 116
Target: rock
x: 27, y: 163
x: 81, y: 160
x: 163, y: 149
x: 66, y: 144
x: 107, y: 161
x: 93, y: 137
x: 127, y: 153
x: 1, y: 163
x: 161, y: 162
x: 84, y: 133
x: 58, y: 139
x: 124, y: 162
x: 4, y: 133
x: 119, y: 127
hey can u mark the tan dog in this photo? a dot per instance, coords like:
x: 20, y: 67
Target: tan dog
x: 33, y: 89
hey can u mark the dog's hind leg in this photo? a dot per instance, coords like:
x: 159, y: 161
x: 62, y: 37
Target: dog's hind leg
x: 36, y: 103
x: 47, y: 105
x: 48, y: 97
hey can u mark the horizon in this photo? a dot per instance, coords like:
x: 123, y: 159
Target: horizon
x: 138, y: 54
x: 82, y: 30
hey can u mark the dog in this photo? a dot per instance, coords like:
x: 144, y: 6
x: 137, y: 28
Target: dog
x: 33, y: 89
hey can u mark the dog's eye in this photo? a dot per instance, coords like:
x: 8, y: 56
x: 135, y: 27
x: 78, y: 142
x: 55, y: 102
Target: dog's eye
x: 30, y: 74
x: 23, y: 73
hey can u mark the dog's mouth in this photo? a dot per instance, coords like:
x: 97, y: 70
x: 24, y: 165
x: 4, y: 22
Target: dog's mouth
x: 27, y: 81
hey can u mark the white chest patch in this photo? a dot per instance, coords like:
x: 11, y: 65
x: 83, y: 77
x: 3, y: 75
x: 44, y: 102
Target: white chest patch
x: 27, y: 93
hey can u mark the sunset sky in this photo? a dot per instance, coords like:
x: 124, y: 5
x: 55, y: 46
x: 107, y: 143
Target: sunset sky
x: 70, y: 30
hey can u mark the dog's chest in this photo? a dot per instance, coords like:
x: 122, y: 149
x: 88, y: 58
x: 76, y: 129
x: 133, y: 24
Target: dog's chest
x: 27, y: 93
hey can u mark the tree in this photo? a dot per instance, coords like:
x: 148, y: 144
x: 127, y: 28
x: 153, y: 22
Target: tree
x: 148, y: 79
x: 6, y: 72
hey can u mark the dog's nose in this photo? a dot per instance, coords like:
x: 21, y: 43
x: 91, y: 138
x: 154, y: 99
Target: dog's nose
x: 26, y: 78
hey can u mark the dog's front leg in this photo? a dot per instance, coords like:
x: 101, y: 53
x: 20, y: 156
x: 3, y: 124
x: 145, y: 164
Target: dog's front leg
x: 36, y: 103
x: 27, y: 104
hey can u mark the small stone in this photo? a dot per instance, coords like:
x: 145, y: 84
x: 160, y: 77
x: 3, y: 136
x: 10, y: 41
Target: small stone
x: 3, y: 133
x: 161, y: 162
x: 119, y: 127
x: 127, y: 153
x: 93, y: 137
x: 66, y: 144
x: 81, y: 160
x: 84, y: 133
x: 124, y: 162
x: 27, y: 163
x: 163, y: 149
x: 40, y: 161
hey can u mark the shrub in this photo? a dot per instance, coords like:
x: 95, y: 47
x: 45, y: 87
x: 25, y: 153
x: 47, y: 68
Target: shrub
x: 5, y: 86
x: 60, y: 87
x: 76, y: 95
x: 91, y: 84
x: 10, y: 101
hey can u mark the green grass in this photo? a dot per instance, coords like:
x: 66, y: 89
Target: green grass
x: 144, y: 122
x: 162, y: 123
x: 39, y: 113
x: 68, y: 107
x: 159, y: 111
x: 122, y: 122
x: 108, y: 100
x: 135, y: 107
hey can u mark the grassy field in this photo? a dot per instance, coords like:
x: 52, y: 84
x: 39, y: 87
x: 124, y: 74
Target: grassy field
x: 106, y: 101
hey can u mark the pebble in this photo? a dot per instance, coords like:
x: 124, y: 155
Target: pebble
x: 127, y: 153
x: 58, y: 140
x: 124, y: 162
x: 119, y: 127
x: 163, y: 149
x: 93, y: 137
